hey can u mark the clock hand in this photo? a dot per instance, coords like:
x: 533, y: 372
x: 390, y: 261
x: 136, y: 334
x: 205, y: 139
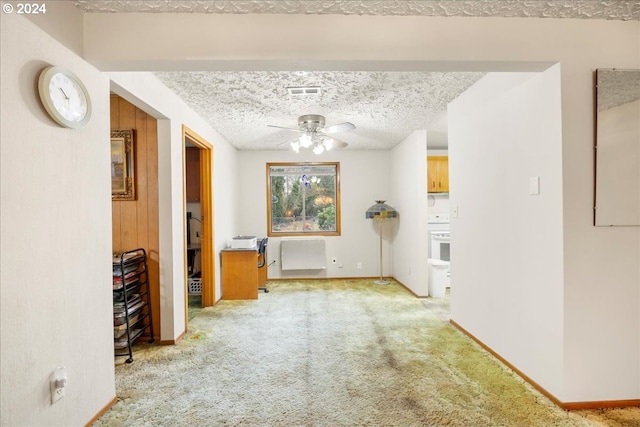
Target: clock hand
x: 63, y: 93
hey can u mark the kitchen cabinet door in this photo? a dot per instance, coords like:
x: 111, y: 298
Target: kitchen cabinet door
x: 437, y: 174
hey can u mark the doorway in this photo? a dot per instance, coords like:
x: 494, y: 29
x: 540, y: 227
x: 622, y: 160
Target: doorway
x: 135, y: 222
x: 438, y: 214
x: 198, y: 218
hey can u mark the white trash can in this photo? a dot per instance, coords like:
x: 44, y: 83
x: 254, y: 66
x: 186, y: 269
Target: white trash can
x: 438, y: 278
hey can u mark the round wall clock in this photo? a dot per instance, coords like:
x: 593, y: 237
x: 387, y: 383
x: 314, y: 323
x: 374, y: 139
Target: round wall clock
x: 64, y: 97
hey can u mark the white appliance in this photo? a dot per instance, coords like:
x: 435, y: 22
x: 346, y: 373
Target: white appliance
x: 438, y: 278
x: 244, y: 242
x: 439, y: 254
x: 438, y: 228
x: 440, y: 245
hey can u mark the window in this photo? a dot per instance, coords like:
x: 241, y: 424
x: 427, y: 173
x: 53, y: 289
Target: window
x: 303, y: 199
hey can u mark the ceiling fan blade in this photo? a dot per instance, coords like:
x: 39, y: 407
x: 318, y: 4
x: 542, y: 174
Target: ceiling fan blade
x: 332, y: 144
x: 281, y: 127
x: 286, y: 142
x: 340, y: 127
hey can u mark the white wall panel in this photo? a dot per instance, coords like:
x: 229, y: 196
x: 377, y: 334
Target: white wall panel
x: 506, y: 244
x: 408, y: 165
x: 55, y: 240
x: 601, y: 268
x: 364, y: 178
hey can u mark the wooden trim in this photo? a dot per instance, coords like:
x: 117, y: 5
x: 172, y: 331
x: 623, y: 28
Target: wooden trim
x: 184, y: 231
x: 410, y: 291
x: 569, y: 406
x: 102, y: 411
x: 509, y: 365
x: 304, y: 234
x: 174, y: 341
x: 595, y: 142
x: 206, y: 211
x: 286, y: 279
x: 600, y: 404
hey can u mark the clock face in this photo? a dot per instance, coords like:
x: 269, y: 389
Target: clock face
x: 64, y: 97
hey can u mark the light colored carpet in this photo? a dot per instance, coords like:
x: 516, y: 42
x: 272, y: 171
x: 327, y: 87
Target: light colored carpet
x: 194, y: 306
x: 331, y: 353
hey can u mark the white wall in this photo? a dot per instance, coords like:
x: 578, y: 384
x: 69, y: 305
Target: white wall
x: 55, y: 237
x: 601, y: 264
x: 62, y: 21
x: 365, y: 42
x: 506, y: 245
x: 148, y: 93
x: 601, y: 339
x: 409, y: 190
x: 364, y: 178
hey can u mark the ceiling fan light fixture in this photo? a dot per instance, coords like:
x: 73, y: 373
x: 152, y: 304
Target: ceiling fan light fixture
x: 313, y: 134
x: 306, y: 140
x: 328, y: 143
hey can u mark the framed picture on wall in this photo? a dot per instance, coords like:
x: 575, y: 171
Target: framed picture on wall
x: 123, y: 185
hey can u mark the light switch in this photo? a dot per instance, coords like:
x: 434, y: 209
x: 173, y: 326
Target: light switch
x: 534, y: 185
x: 454, y: 211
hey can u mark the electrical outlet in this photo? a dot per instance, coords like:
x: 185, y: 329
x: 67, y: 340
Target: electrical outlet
x: 334, y: 260
x: 359, y: 265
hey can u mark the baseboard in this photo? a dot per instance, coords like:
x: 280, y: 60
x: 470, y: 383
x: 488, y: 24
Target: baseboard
x: 568, y: 406
x: 174, y: 341
x: 601, y: 404
x: 102, y: 411
x: 410, y: 291
x: 287, y: 279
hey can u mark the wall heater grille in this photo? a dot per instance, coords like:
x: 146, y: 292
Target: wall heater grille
x: 303, y: 254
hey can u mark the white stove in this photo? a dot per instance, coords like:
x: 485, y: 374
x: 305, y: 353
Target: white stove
x: 438, y: 227
x: 438, y: 221
x: 439, y: 254
x: 440, y: 245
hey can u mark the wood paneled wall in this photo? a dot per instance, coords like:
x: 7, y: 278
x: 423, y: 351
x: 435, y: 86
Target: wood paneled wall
x: 135, y: 223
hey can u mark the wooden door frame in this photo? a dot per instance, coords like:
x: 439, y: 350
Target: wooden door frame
x: 206, y: 212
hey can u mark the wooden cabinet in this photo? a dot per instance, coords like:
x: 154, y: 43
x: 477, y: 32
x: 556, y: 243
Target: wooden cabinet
x: 239, y: 274
x: 192, y: 165
x: 437, y: 174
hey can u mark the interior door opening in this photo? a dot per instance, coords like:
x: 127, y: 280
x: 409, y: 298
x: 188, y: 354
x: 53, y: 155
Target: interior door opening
x: 198, y: 218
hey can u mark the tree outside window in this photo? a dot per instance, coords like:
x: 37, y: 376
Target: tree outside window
x: 303, y: 198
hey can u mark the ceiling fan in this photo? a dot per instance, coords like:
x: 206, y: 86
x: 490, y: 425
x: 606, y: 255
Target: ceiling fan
x: 315, y: 134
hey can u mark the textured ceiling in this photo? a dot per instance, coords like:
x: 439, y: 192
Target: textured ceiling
x: 583, y: 9
x: 617, y: 87
x: 385, y: 106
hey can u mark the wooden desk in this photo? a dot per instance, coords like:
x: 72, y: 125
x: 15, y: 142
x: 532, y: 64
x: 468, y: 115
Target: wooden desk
x: 239, y: 273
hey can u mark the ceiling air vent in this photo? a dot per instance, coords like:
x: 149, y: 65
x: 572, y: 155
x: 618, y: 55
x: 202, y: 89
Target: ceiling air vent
x: 304, y: 90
